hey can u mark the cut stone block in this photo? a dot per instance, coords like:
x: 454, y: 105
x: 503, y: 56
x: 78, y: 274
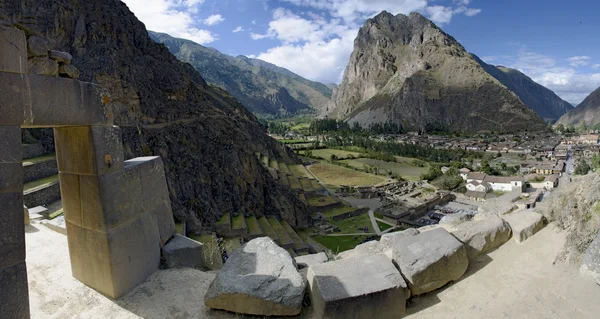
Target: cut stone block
x: 14, y: 295
x: 183, y: 252
x: 358, y: 287
x: 57, y: 224
x: 43, y: 66
x: 590, y: 265
x: 37, y: 46
x: 39, y: 210
x: 260, y: 279
x: 165, y: 222
x: 13, y: 89
x: 89, y: 150
x: 11, y: 177
x: 10, y: 144
x: 115, y: 262
x: 71, y: 197
x: 455, y: 219
x: 12, y: 229
x: 484, y: 233
x: 311, y: 260
x: 154, y: 183
x: 13, y: 50
x: 110, y: 199
x: 524, y: 224
x: 430, y: 259
x: 369, y: 248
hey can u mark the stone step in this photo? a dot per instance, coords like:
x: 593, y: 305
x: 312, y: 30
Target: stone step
x: 32, y: 150
x: 254, y: 230
x: 41, y: 192
x: 283, y: 179
x: 299, y: 244
x: 300, y: 171
x: 267, y: 229
x: 307, y: 186
x: 223, y: 225
x: 295, y: 183
x: 285, y: 240
x: 57, y: 224
x: 55, y: 209
x: 274, y: 164
x: 284, y: 169
x: 38, y: 168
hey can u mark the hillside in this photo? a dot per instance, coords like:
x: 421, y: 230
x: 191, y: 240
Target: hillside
x: 406, y: 70
x: 206, y: 139
x: 587, y: 112
x: 262, y: 87
x: 538, y: 98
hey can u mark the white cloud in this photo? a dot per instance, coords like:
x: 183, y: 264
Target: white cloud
x: 577, y: 61
x: 238, y: 29
x: 175, y: 17
x: 472, y: 12
x: 596, y: 66
x: 213, y: 19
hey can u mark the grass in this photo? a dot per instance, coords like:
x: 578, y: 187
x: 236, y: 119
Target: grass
x: 33, y: 161
x: 299, y: 170
x: 179, y: 227
x: 252, y: 224
x: 225, y: 220
x: 56, y: 214
x: 330, y: 213
x: 40, y: 182
x: 231, y: 244
x: 403, y: 168
x: 383, y: 226
x: 212, y: 253
x: 295, y: 183
x: 351, y: 225
x: 327, y: 152
x: 321, y: 201
x: 237, y: 222
x: 284, y: 141
x: 336, y: 175
x: 338, y: 244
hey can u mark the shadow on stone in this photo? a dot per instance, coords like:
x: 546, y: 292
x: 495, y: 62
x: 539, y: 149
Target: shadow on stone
x: 31, y: 229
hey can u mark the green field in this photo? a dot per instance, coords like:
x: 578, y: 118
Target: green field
x: 336, y: 175
x: 383, y: 226
x: 339, y: 244
x: 327, y: 152
x: 338, y: 211
x: 403, y: 168
x: 352, y: 225
x: 237, y: 222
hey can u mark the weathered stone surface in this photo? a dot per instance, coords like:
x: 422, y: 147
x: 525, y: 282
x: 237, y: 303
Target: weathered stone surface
x: 71, y: 198
x: 13, y: 51
x: 482, y: 234
x: 524, y: 224
x: 10, y: 144
x: 14, y: 97
x: 181, y: 251
x: 259, y: 279
x: 43, y: 67
x: 37, y: 46
x: 311, y: 260
x: 358, y: 287
x: 369, y: 248
x: 14, y: 294
x: 11, y: 177
x: 108, y: 147
x: 60, y: 57
x: 69, y: 71
x: 430, y: 259
x: 165, y: 222
x: 154, y: 183
x: 590, y: 265
x: 12, y: 229
x: 455, y: 219
x: 26, y: 215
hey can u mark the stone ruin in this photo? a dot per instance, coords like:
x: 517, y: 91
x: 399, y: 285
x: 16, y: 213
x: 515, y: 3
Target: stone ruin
x: 118, y: 212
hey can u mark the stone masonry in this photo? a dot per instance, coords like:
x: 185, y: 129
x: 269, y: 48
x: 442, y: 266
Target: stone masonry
x: 118, y: 212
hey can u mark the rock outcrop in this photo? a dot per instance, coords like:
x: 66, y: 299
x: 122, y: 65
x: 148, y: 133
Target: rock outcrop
x: 206, y: 139
x: 590, y: 265
x: 262, y: 87
x: 407, y: 71
x: 260, y: 279
x: 587, y: 112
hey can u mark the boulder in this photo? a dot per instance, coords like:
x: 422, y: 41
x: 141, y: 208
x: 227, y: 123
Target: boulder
x: 68, y: 71
x: 383, y: 246
x: 482, y: 234
x: 311, y: 260
x: 524, y: 223
x: 358, y: 287
x: 60, y: 57
x: 455, y: 219
x: 260, y: 279
x: 182, y: 251
x: 429, y: 260
x: 590, y: 265
x: 37, y: 46
x: 43, y: 66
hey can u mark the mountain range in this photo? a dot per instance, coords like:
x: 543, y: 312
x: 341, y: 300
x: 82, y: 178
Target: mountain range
x: 262, y: 87
x: 587, y: 112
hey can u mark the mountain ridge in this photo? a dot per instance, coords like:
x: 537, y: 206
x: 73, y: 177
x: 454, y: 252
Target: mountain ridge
x: 587, y: 112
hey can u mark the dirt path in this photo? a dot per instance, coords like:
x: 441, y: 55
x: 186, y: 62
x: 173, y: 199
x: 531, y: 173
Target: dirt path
x: 516, y: 281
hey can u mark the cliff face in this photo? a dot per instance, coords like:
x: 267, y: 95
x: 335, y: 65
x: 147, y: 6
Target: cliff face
x: 587, y: 112
x: 543, y: 101
x: 206, y: 139
x: 406, y: 70
x: 262, y: 87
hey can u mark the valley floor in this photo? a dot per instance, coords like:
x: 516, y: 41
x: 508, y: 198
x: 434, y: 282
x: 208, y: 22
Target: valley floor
x: 515, y: 281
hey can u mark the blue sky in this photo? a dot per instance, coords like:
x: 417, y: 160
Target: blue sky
x: 554, y: 42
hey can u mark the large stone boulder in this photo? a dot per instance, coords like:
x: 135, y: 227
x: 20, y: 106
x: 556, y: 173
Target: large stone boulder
x: 590, y: 265
x: 311, y: 260
x: 43, y: 66
x: 258, y: 279
x: 429, y: 260
x: 37, y: 46
x: 383, y: 246
x: 484, y: 233
x: 358, y: 287
x: 524, y: 224
x: 60, y: 57
x: 182, y: 251
x: 455, y: 219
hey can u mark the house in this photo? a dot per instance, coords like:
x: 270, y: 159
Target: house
x: 544, y: 169
x: 525, y: 168
x: 505, y: 183
x: 478, y: 187
x: 474, y: 176
x: 476, y: 196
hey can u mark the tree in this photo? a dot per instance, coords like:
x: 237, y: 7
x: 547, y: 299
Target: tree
x: 333, y: 157
x: 596, y: 161
x: 560, y: 128
x: 582, y: 168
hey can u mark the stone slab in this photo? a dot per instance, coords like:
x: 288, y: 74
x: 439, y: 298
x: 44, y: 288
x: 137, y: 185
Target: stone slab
x: 429, y: 260
x: 524, y: 224
x: 12, y: 229
x: 11, y: 177
x: 39, y: 210
x: 358, y: 287
x: 108, y: 149
x: 181, y: 251
x: 165, y: 222
x: 482, y: 234
x: 10, y: 144
x: 14, y: 92
x: 154, y: 184
x: 311, y: 260
x: 13, y: 50
x: 14, y: 294
x: 71, y: 197
x: 590, y: 264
